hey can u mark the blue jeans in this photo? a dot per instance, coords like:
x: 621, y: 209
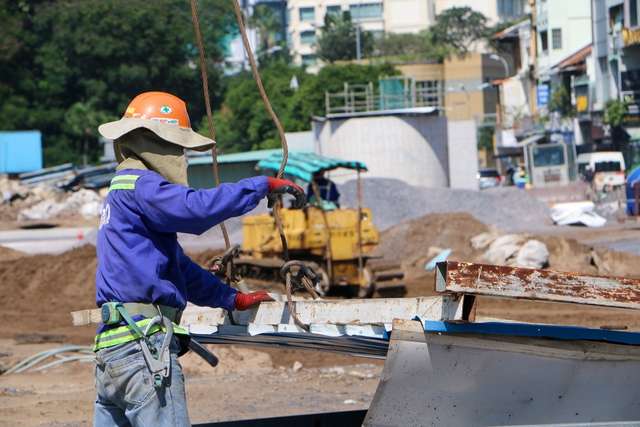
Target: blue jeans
x: 127, y: 395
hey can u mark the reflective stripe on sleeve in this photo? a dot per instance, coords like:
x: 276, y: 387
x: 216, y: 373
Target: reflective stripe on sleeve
x: 123, y: 182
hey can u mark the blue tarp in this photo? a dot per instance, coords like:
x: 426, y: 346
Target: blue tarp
x: 304, y: 165
x: 632, y: 179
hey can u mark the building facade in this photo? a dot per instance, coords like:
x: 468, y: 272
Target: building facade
x: 306, y: 18
x: 496, y: 11
x: 616, y: 32
x: 562, y: 28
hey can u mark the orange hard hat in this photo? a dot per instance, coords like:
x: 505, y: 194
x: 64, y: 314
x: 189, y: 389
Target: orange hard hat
x: 159, y: 107
x: 162, y: 113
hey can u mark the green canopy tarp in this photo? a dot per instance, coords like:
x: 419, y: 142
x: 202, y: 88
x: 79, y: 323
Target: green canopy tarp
x: 304, y: 165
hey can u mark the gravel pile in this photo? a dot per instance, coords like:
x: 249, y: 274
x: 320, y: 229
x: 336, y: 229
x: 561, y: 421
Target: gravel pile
x: 393, y: 202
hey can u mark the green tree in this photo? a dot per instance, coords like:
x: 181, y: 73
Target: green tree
x: 485, y: 137
x: 560, y: 101
x: 83, y: 120
x: 411, y: 45
x: 69, y: 52
x: 460, y: 27
x: 338, y: 39
x: 243, y: 122
x: 266, y: 21
x: 615, y: 111
x: 310, y: 99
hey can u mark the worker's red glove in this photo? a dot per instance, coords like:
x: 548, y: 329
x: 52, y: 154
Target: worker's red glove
x: 281, y: 186
x: 245, y: 301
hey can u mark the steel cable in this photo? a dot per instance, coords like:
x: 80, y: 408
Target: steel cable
x: 285, y: 154
x: 274, y: 117
x: 207, y: 101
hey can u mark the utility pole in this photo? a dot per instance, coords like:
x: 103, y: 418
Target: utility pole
x: 533, y: 54
x: 358, y: 40
x: 358, y: 34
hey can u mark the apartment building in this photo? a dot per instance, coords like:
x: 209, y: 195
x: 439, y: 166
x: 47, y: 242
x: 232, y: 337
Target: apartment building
x: 306, y: 17
x: 563, y: 28
x: 495, y: 10
x: 616, y: 48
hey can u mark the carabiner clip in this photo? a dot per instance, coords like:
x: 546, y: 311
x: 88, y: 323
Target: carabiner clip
x: 160, y: 367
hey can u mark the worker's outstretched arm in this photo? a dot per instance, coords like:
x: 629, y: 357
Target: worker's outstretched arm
x: 172, y: 208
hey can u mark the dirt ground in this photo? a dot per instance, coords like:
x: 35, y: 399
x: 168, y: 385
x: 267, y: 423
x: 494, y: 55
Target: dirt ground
x: 39, y: 292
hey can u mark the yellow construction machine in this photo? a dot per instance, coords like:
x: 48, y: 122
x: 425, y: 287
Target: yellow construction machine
x: 335, y: 243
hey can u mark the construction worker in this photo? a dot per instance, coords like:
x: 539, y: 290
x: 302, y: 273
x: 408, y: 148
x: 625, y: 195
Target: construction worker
x: 326, y: 189
x: 144, y: 280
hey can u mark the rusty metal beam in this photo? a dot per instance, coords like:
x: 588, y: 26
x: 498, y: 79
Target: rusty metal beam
x: 541, y: 285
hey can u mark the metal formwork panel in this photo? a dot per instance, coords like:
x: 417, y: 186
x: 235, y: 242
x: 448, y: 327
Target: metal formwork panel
x: 543, y: 285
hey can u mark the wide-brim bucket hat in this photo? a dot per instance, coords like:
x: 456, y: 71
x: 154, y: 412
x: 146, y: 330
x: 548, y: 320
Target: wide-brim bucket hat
x: 163, y: 114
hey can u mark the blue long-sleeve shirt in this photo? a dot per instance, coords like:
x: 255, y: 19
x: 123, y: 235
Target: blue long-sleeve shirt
x: 139, y: 257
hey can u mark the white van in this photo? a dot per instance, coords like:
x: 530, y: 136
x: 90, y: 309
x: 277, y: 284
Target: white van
x: 609, y: 167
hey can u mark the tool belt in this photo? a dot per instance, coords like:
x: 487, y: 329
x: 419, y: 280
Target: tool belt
x: 158, y: 360
x: 110, y: 315
x: 96, y: 315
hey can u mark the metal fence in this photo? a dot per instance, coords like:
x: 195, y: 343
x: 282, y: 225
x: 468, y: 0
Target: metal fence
x: 393, y: 93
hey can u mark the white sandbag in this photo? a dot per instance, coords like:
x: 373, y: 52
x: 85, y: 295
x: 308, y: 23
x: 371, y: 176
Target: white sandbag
x: 576, y: 213
x: 505, y: 247
x: 533, y: 254
x: 483, y: 240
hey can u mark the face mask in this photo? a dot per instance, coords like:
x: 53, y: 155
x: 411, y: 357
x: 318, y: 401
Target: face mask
x: 142, y: 149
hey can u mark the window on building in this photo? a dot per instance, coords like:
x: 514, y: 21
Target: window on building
x: 556, y: 38
x: 308, y: 37
x: 309, y: 60
x: 307, y: 14
x: 633, y: 13
x: 366, y: 10
x: 511, y: 7
x: 544, y: 42
x: 548, y: 156
x: 287, y: 16
x: 334, y: 11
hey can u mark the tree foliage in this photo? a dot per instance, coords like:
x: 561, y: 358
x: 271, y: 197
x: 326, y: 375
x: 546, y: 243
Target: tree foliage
x: 615, y: 111
x: 266, y: 21
x: 338, y: 39
x: 421, y: 45
x: 243, y: 122
x: 485, y: 138
x: 460, y: 27
x: 59, y: 55
x: 560, y: 101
